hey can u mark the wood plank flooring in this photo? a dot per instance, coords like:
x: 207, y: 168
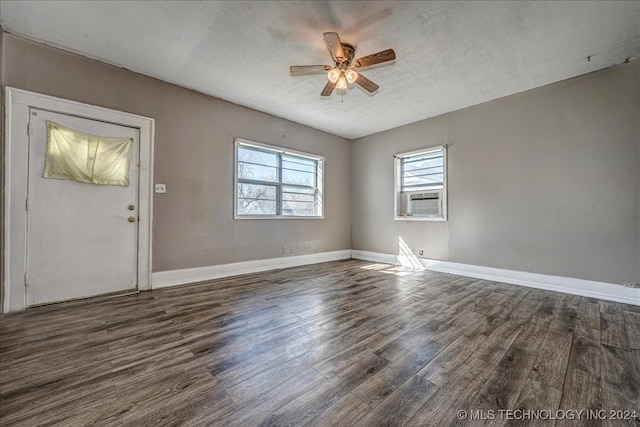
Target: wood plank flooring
x: 334, y: 344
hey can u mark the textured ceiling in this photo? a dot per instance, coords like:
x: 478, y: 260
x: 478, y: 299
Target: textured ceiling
x: 450, y: 55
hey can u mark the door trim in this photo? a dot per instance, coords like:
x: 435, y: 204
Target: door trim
x: 16, y: 161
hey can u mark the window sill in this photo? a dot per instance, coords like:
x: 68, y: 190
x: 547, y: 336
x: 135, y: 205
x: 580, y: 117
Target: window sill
x: 419, y: 218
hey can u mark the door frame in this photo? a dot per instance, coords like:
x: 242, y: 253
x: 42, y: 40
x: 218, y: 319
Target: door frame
x: 16, y: 163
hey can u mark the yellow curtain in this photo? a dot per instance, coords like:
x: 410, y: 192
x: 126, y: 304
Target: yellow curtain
x: 79, y: 156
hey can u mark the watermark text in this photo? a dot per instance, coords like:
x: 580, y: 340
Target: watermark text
x: 546, y: 414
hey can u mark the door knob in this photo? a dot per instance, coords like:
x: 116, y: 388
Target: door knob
x: 132, y: 219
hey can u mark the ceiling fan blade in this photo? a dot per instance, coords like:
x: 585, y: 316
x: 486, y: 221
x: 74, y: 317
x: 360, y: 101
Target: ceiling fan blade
x: 332, y: 40
x: 304, y: 70
x: 328, y: 89
x: 366, y: 84
x: 374, y: 59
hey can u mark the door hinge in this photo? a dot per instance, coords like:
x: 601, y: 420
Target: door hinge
x: 26, y: 204
x: 28, y: 128
x: 25, y: 279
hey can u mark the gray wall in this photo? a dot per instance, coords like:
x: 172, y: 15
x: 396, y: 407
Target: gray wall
x: 193, y: 222
x: 544, y: 181
x: 2, y: 161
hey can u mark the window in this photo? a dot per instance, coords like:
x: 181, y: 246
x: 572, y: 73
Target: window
x: 421, y: 185
x: 273, y: 182
x: 93, y: 159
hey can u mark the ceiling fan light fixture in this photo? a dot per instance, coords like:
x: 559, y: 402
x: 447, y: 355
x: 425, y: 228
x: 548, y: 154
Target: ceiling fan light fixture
x: 342, y: 82
x: 333, y: 75
x: 351, y: 75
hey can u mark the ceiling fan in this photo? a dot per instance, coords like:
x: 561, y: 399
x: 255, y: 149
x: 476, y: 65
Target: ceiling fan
x: 344, y: 70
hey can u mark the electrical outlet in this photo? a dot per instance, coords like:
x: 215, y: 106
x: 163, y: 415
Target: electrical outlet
x: 284, y: 250
x: 161, y: 188
x: 290, y: 249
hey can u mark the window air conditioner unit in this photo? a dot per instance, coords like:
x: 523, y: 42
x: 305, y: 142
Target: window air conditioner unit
x: 421, y: 203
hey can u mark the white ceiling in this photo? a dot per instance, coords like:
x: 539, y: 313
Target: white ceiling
x: 450, y: 55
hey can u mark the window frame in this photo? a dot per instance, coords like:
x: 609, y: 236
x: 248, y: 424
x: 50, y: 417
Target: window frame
x: 397, y: 188
x: 278, y: 184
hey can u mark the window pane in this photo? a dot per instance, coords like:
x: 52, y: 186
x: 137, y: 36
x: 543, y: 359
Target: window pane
x: 298, y: 163
x: 423, y: 171
x: 256, y: 207
x: 256, y: 191
x: 249, y: 155
x: 298, y: 178
x: 257, y: 173
x: 256, y: 199
x: 298, y: 208
x: 298, y: 170
x: 435, y: 158
x: 416, y: 183
x: 92, y: 159
x: 298, y: 194
x: 410, y: 171
x: 272, y: 183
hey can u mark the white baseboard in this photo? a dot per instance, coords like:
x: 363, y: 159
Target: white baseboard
x: 163, y: 279
x: 587, y: 288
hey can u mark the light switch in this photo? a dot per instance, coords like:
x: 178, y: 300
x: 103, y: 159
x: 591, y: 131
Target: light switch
x: 161, y: 188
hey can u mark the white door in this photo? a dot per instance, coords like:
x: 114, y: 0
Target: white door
x: 80, y: 241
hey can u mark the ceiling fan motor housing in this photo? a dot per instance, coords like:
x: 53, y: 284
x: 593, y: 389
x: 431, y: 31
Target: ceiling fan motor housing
x: 349, y: 51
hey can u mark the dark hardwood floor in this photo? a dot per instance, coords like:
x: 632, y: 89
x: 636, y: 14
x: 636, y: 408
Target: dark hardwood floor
x: 334, y: 344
